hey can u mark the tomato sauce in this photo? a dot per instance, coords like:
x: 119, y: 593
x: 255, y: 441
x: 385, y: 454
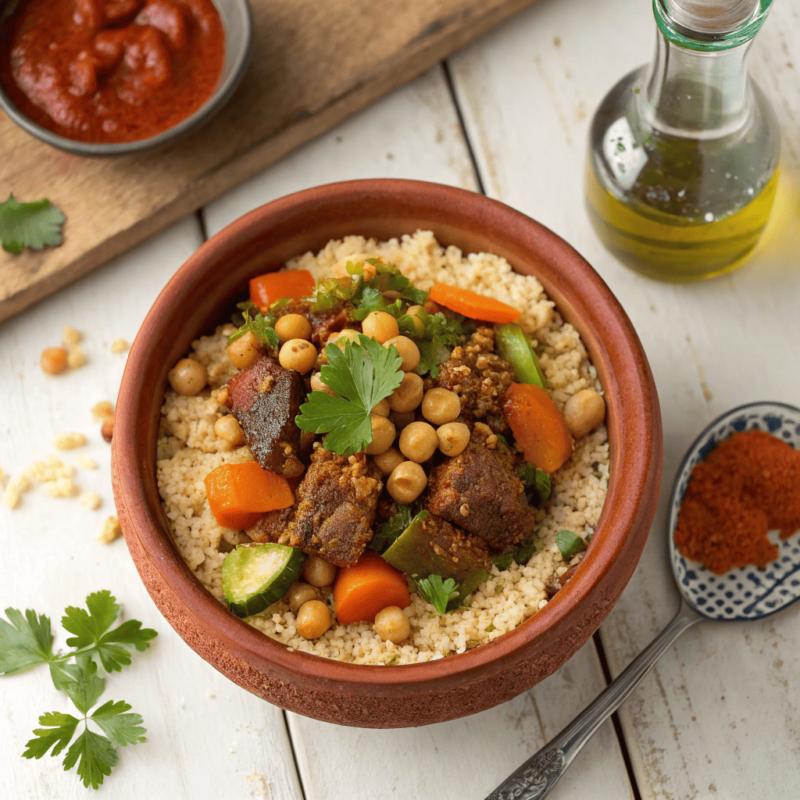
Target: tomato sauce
x: 111, y: 70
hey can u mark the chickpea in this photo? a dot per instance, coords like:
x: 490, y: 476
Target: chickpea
x: 319, y: 572
x: 402, y: 418
x: 440, y: 406
x: 583, y: 412
x: 453, y: 437
x: 313, y: 619
x: 383, y: 433
x: 417, y: 318
x: 382, y: 409
x: 407, y: 351
x: 188, y: 377
x: 53, y: 360
x: 228, y: 428
x: 388, y: 460
x: 341, y: 337
x: 300, y: 594
x: 318, y: 386
x: 407, y: 482
x: 380, y: 326
x: 299, y: 355
x: 418, y: 441
x: 408, y: 395
x: 292, y: 326
x: 392, y: 625
x: 244, y: 351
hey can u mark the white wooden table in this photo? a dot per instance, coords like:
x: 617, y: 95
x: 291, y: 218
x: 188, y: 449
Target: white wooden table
x: 718, y: 718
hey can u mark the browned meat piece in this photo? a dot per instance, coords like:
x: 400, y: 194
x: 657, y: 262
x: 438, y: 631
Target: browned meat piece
x: 464, y: 551
x: 334, y: 509
x: 479, y: 377
x: 323, y: 323
x: 479, y: 492
x: 265, y: 399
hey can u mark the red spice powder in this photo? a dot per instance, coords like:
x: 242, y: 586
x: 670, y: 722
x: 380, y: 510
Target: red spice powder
x: 749, y: 485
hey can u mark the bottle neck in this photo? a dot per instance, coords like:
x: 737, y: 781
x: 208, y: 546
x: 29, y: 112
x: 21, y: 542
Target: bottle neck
x: 697, y: 94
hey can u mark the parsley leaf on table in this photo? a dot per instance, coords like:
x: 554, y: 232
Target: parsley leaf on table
x: 26, y: 641
x: 436, y: 591
x: 360, y: 376
x: 33, y: 225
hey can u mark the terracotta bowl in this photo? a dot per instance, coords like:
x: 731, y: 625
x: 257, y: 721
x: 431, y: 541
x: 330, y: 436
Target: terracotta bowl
x: 202, y: 293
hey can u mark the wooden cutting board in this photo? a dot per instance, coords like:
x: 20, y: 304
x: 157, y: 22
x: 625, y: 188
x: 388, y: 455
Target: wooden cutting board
x: 315, y: 62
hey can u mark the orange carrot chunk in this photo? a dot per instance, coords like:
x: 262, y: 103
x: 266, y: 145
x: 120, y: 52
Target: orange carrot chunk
x: 239, y: 494
x: 538, y: 426
x: 361, y: 591
x: 266, y: 289
x: 471, y: 304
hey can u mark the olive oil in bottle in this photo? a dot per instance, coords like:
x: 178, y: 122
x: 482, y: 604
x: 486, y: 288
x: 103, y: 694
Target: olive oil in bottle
x: 683, y: 154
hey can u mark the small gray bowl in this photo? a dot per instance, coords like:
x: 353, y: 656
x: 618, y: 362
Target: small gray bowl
x: 237, y: 22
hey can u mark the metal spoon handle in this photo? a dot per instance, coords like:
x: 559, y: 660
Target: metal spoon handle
x: 539, y: 774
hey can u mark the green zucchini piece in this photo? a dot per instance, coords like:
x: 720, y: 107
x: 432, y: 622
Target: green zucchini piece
x: 422, y: 550
x: 256, y: 576
x: 516, y: 349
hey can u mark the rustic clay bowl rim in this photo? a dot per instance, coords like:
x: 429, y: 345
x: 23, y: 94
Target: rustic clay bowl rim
x: 633, y: 418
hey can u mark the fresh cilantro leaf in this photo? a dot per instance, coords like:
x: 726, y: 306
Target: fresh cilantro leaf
x: 58, y: 733
x: 91, y: 629
x: 121, y: 728
x: 261, y: 326
x: 389, y: 532
x: 436, y: 591
x: 360, y: 376
x: 569, y: 543
x: 24, y: 641
x: 95, y: 756
x: 35, y: 225
x: 537, y: 483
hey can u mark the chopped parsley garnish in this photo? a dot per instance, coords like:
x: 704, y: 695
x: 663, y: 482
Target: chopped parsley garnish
x: 260, y: 325
x: 26, y: 640
x: 569, y: 543
x: 360, y: 376
x: 440, y: 336
x: 389, y: 532
x: 522, y: 555
x: 436, y: 591
x: 35, y: 225
x: 537, y: 484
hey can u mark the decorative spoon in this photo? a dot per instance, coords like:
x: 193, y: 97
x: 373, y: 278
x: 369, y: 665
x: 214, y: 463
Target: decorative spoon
x: 741, y: 594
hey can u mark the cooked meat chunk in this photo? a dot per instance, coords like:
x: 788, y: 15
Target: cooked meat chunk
x: 323, y: 323
x: 265, y: 399
x: 479, y: 492
x: 479, y: 377
x: 464, y: 551
x: 334, y: 509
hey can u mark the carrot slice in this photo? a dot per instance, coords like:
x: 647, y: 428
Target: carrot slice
x: 239, y: 494
x: 471, y: 304
x: 361, y: 591
x: 538, y: 426
x: 266, y: 289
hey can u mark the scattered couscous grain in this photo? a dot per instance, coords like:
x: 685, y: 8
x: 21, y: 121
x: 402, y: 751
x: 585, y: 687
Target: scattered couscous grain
x: 111, y: 531
x: 91, y: 500
x: 76, y: 357
x: 102, y: 410
x: 49, y: 470
x: 61, y: 487
x: 13, y: 493
x: 53, y: 360
x: 188, y: 450
x: 119, y: 346
x: 71, y: 336
x: 69, y: 441
x: 84, y: 462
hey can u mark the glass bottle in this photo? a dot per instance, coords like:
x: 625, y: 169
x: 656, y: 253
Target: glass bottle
x: 683, y: 154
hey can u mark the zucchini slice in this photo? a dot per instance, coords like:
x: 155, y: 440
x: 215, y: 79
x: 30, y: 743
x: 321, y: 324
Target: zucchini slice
x: 256, y: 576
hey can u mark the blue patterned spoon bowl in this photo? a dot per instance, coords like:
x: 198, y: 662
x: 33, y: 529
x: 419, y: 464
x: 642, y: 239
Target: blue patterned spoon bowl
x: 746, y: 593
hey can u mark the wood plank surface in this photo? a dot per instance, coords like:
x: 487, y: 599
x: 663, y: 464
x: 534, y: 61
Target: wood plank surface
x: 465, y: 758
x: 718, y: 718
x: 313, y: 65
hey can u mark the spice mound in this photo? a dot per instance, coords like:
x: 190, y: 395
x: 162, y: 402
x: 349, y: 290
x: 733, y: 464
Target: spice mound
x: 747, y: 487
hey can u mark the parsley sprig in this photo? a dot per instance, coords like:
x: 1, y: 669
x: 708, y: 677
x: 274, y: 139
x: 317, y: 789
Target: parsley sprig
x: 360, y: 377
x: 436, y: 591
x: 440, y: 335
x: 262, y: 326
x: 26, y: 641
x: 35, y: 225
